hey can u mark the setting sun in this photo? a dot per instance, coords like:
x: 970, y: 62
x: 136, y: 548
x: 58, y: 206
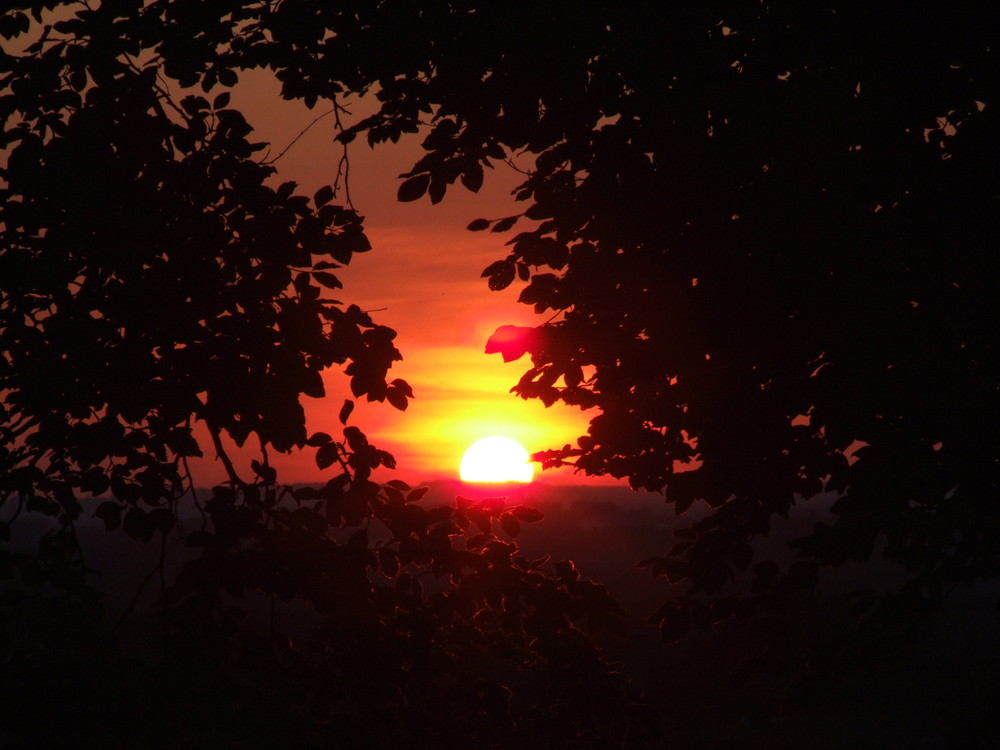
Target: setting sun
x: 496, y: 459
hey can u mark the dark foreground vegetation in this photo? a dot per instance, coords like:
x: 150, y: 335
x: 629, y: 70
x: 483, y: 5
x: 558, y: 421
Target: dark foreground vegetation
x: 765, y: 239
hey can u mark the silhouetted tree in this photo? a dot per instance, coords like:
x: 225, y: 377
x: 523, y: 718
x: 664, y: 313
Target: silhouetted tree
x: 160, y: 299
x: 767, y: 236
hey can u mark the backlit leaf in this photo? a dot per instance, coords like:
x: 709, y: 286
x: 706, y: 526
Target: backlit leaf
x: 527, y: 515
x: 413, y: 188
x: 345, y: 411
x: 501, y: 274
x: 510, y: 524
x: 511, y: 342
x: 326, y: 455
x: 504, y: 224
x: 437, y: 189
x: 327, y: 279
x: 472, y: 178
x: 323, y: 196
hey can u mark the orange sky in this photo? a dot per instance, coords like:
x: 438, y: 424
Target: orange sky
x: 424, y: 271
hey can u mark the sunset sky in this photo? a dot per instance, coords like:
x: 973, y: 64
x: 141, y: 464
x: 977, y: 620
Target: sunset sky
x: 423, y: 279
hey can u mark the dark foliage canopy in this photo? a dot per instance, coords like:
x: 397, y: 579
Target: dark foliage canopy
x: 770, y: 234
x: 161, y: 298
x: 765, y: 232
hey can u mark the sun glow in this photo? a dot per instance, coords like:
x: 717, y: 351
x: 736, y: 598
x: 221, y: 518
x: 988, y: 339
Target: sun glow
x: 496, y: 459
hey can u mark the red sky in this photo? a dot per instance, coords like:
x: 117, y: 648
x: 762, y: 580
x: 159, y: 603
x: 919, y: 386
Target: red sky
x: 424, y: 270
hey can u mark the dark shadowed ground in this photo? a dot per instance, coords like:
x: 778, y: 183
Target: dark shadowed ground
x: 708, y: 699
x: 707, y: 694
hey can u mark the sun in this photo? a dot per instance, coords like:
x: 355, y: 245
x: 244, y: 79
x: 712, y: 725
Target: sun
x: 496, y: 459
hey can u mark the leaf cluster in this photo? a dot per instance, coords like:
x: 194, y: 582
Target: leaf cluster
x: 163, y: 297
x: 154, y: 278
x: 766, y: 237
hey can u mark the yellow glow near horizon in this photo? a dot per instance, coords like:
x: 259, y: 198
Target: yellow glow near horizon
x: 496, y: 459
x: 462, y: 394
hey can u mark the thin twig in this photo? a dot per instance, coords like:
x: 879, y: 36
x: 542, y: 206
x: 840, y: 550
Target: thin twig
x: 344, y: 165
x: 221, y: 454
x: 194, y: 493
x: 306, y: 129
x: 163, y: 92
x: 344, y: 168
x: 509, y: 161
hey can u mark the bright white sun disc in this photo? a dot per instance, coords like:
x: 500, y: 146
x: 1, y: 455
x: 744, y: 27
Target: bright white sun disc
x: 496, y: 459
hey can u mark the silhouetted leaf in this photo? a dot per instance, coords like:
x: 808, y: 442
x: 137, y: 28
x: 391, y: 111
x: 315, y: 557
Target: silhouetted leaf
x: 397, y: 393
x: 504, y: 224
x: 396, y: 397
x: 111, y: 513
x: 138, y: 524
x: 536, y: 564
x: 676, y: 570
x: 13, y: 25
x: 194, y: 104
x: 510, y: 524
x: 566, y: 571
x: 301, y: 282
x: 326, y: 455
x: 526, y: 514
x: 356, y: 439
x: 416, y: 495
x: 345, y: 411
x: 327, y: 279
x: 512, y: 342
x: 388, y: 562
x: 267, y: 474
x: 437, y: 189
x: 500, y: 273
x: 323, y: 196
x: 413, y: 188
x: 675, y: 624
x: 228, y: 77
x: 478, y: 225
x: 472, y: 178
